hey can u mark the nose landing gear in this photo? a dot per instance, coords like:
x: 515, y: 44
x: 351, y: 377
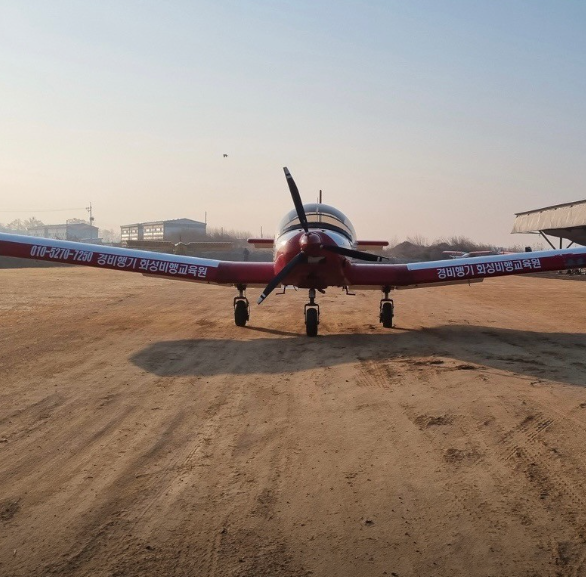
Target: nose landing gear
x: 311, y: 315
x: 387, y: 310
x: 241, y: 307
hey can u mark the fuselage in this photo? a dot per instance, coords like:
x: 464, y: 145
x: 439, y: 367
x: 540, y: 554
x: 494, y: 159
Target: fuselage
x: 327, y: 226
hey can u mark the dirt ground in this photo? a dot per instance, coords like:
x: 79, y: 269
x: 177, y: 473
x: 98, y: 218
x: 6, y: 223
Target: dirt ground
x: 142, y: 433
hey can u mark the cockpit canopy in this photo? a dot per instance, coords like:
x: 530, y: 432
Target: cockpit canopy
x: 319, y: 216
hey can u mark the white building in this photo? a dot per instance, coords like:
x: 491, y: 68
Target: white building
x: 178, y: 230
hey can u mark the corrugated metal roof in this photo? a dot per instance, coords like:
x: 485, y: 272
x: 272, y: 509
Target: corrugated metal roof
x: 561, y: 216
x: 576, y: 202
x: 187, y: 221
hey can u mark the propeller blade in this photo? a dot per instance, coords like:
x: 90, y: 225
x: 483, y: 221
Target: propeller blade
x: 296, y: 199
x: 301, y: 257
x: 354, y: 253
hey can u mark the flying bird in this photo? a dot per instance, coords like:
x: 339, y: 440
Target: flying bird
x: 225, y: 156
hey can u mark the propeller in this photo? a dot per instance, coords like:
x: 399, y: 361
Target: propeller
x: 308, y: 244
x: 353, y: 253
x: 297, y: 259
x: 301, y: 256
x: 296, y: 199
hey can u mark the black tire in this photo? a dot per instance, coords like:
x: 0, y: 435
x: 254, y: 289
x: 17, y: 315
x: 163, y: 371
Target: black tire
x: 240, y: 313
x: 311, y: 322
x: 387, y: 315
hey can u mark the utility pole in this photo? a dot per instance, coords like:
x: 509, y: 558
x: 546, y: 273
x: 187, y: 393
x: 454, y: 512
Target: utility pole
x: 90, y: 210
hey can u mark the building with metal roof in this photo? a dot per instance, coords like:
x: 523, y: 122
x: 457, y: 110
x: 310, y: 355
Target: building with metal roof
x: 177, y: 230
x: 564, y: 221
x: 72, y: 230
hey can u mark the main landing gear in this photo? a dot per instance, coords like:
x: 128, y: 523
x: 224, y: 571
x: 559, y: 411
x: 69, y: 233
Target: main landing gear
x: 241, y: 307
x: 311, y: 310
x: 387, y: 310
x: 311, y: 315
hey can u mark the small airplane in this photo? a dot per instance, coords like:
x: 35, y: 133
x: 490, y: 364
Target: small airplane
x: 472, y: 253
x: 315, y: 248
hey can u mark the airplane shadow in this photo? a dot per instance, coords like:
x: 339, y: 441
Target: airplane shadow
x: 550, y: 356
x: 271, y: 331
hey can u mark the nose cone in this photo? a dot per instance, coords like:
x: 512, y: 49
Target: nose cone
x: 310, y: 243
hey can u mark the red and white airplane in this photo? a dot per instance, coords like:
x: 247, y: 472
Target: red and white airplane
x: 315, y: 248
x: 462, y: 254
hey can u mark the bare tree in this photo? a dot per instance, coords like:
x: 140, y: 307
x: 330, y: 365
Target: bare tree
x: 108, y: 235
x: 32, y: 222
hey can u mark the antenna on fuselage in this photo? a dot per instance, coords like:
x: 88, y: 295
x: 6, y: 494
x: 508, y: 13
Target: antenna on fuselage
x: 319, y: 200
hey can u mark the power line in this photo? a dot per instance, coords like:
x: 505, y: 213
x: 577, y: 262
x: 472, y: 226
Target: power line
x: 45, y: 210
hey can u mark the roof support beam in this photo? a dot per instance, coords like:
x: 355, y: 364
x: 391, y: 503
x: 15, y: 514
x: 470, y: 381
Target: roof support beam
x: 548, y: 241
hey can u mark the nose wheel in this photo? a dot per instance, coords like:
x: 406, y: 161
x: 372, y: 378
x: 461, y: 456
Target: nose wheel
x: 311, y: 315
x: 241, y: 308
x: 387, y: 310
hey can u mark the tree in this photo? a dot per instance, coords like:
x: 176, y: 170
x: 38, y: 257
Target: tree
x: 108, y: 235
x: 32, y: 222
x: 17, y: 225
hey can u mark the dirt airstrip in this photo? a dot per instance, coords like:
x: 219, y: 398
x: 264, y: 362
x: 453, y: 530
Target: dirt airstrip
x: 142, y: 433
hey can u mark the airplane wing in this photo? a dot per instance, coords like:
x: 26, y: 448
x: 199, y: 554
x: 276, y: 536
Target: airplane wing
x: 460, y: 270
x: 187, y: 268
x: 261, y: 242
x: 453, y: 253
x: 371, y: 244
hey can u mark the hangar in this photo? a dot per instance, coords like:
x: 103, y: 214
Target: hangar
x: 563, y: 221
x: 74, y: 229
x: 177, y: 230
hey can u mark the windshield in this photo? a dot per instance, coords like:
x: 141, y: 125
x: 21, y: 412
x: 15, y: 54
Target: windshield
x: 319, y: 216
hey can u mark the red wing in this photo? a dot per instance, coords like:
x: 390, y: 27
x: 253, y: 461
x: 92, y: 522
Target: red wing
x: 146, y: 262
x: 482, y: 253
x: 464, y: 269
x: 371, y: 244
x: 261, y: 242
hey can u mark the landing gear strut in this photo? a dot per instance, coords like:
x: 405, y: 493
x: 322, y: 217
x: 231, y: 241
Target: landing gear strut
x: 311, y: 315
x: 387, y: 310
x: 241, y: 307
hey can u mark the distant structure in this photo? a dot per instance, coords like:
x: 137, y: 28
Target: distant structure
x: 74, y: 229
x: 178, y: 230
x: 564, y: 221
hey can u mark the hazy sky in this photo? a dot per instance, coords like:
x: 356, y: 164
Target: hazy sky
x: 420, y: 117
